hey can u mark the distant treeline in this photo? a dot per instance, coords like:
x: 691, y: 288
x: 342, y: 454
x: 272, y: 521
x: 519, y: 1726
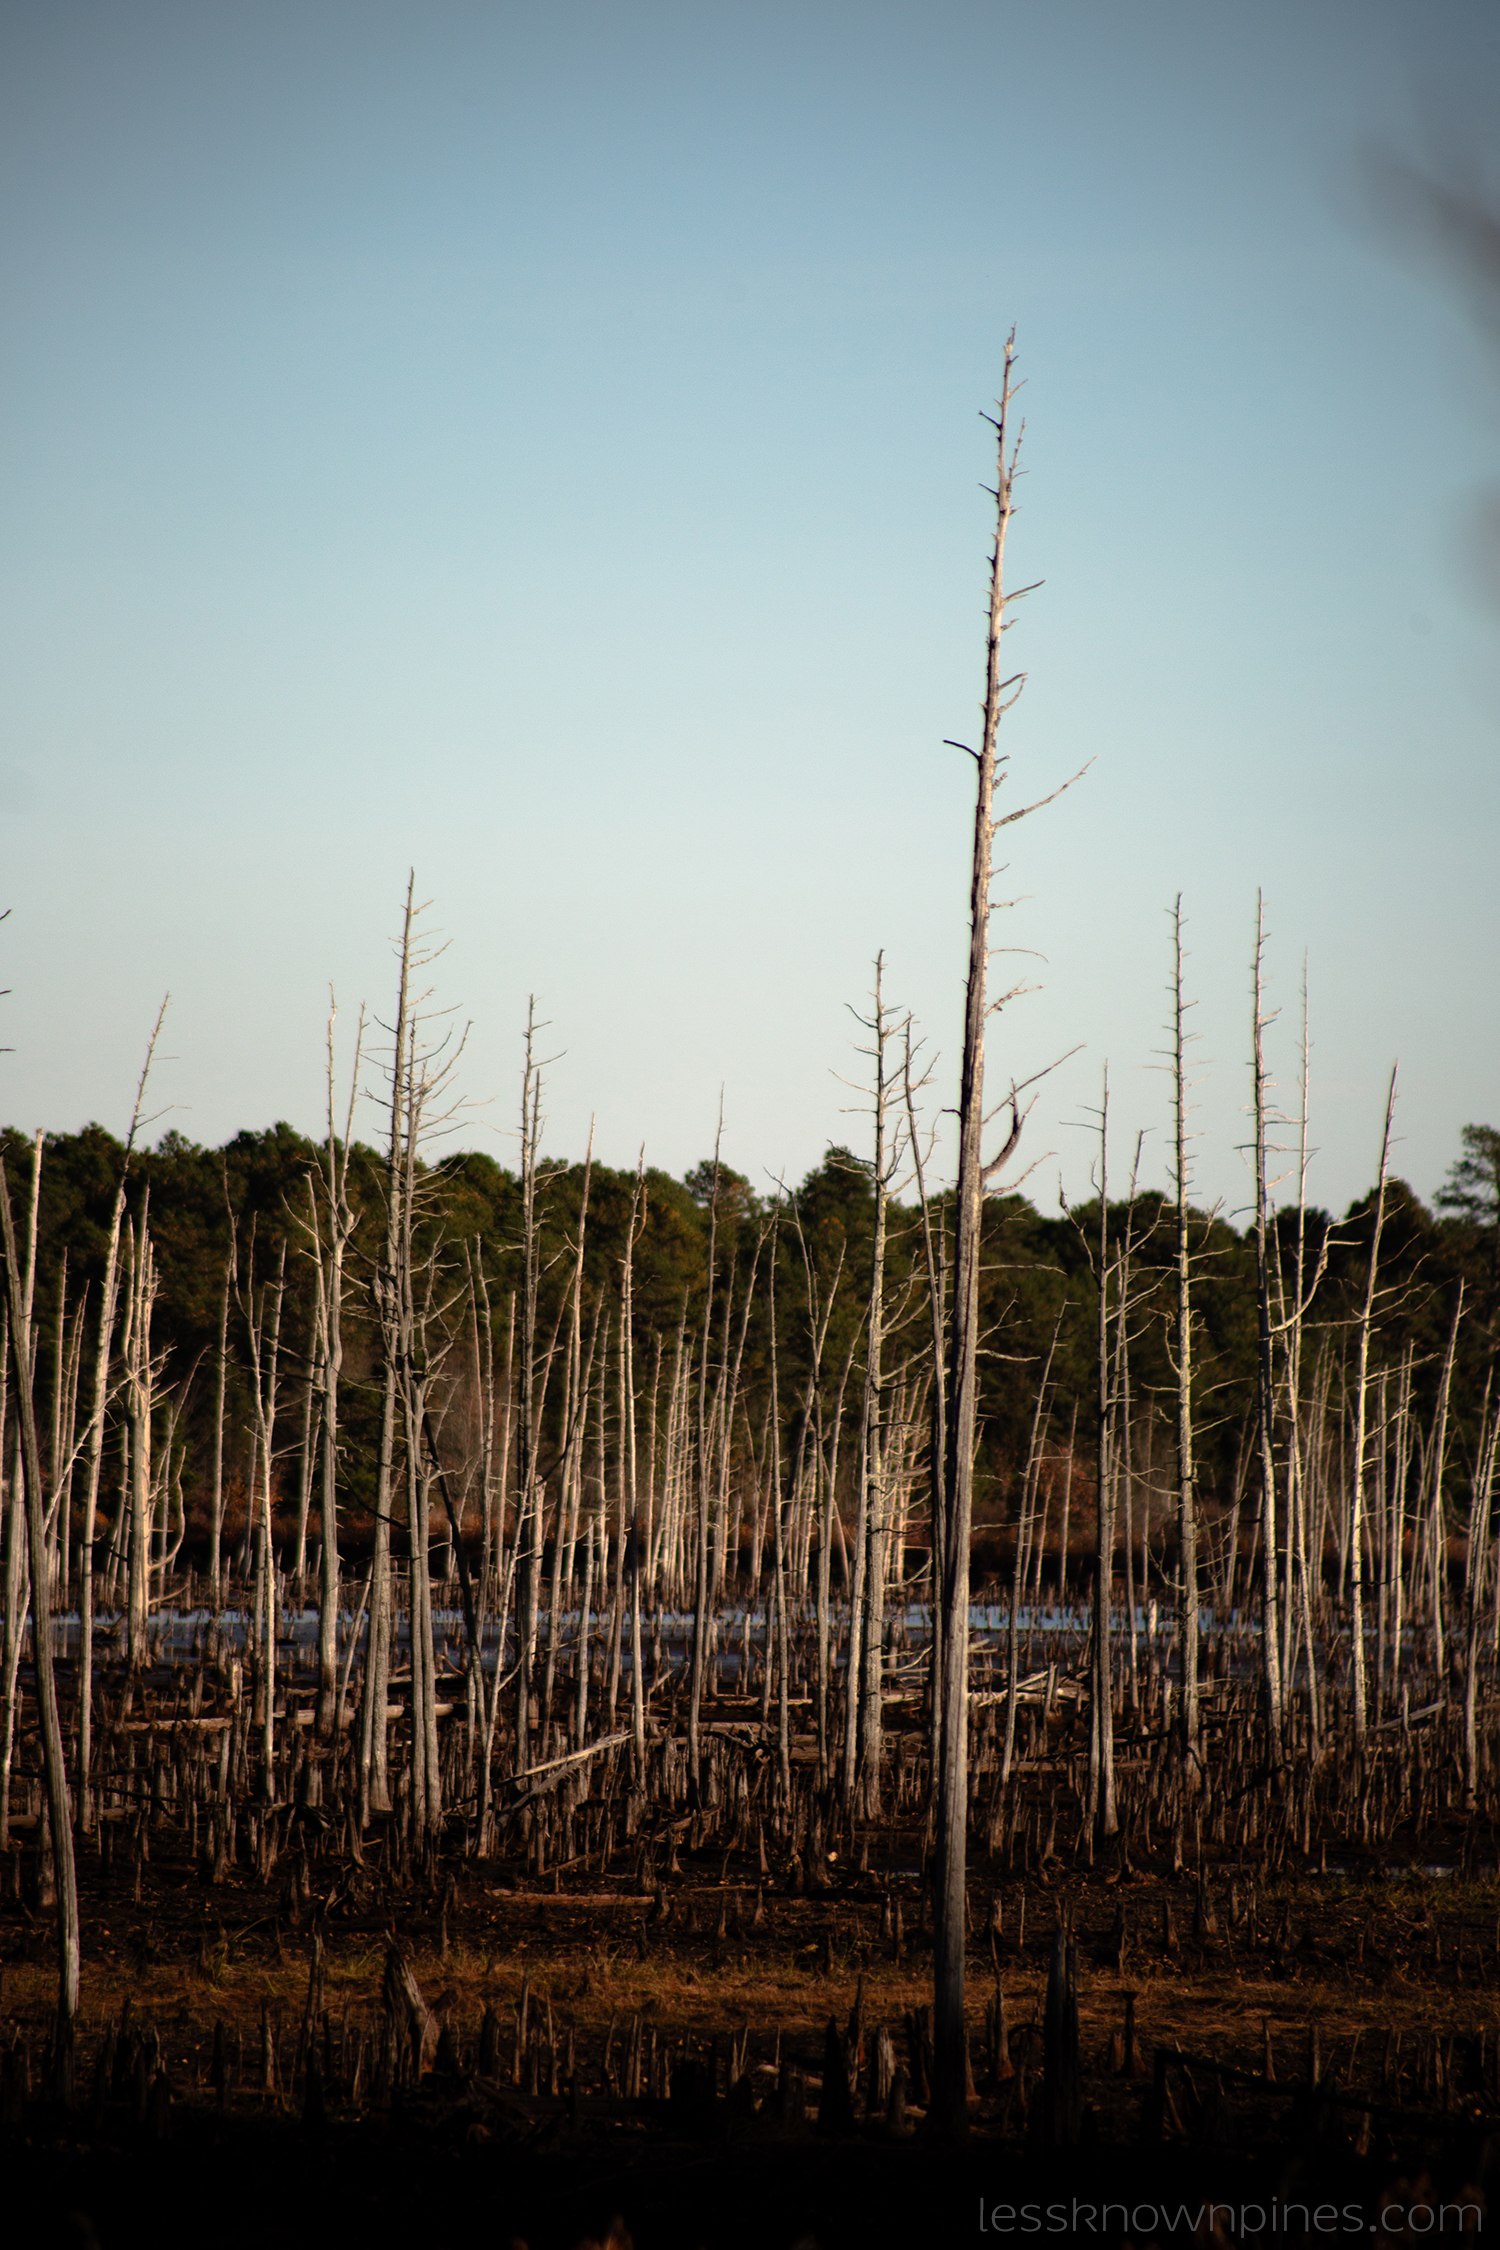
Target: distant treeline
x: 803, y: 1261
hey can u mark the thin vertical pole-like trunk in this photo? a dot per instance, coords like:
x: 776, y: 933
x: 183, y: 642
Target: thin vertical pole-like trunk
x: 305, y: 1453
x: 634, y: 1229
x: 1481, y: 1491
x: 1359, y: 1711
x: 1271, y: 1648
x: 1439, y: 1506
x: 49, y: 1721
x: 703, y: 1484
x: 1018, y: 1567
x: 216, y: 1492
x: 341, y: 1224
x: 876, y: 1497
x: 952, y: 1591
x: 1187, y: 1493
x: 374, y: 1781
x: 17, y: 1578
x: 1102, y: 1727
x: 529, y: 1498
x: 139, y: 1398
x: 935, y: 1260
x: 778, y: 1506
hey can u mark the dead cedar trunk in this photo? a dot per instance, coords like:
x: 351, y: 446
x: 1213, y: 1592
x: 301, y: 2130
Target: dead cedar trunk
x: 778, y: 1505
x: 1102, y: 1715
x: 529, y: 1499
x: 875, y: 1490
x: 216, y: 1494
x: 108, y: 1300
x: 1187, y: 1494
x: 633, y: 1232
x: 139, y: 1400
x: 342, y: 1220
x: 702, y: 1485
x: 1271, y: 1648
x: 1481, y: 1492
x: 48, y: 1719
x: 952, y: 1604
x: 1360, y: 1710
x: 17, y: 1587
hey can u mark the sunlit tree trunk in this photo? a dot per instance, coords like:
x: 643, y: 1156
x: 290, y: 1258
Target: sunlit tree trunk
x: 1187, y: 1488
x: 1359, y: 1710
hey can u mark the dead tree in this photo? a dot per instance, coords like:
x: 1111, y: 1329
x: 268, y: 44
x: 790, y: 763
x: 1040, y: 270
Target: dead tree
x: 703, y: 1484
x: 140, y: 1399
x: 1187, y: 1487
x: 59, y: 1812
x: 262, y: 1320
x: 974, y: 1175
x: 1481, y: 1492
x: 1360, y: 1704
x: 1101, y: 1787
x: 335, y: 1220
x: 1271, y: 1648
x: 635, y: 1228
x: 104, y: 1350
x: 872, y: 1564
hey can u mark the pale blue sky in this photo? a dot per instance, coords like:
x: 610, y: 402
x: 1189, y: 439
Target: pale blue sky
x: 541, y: 443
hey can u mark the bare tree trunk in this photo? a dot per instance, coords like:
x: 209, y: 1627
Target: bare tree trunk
x: 949, y: 2047
x: 634, y: 1229
x: 139, y: 1399
x: 1439, y: 1506
x: 216, y: 1500
x: 49, y: 1721
x: 1271, y: 1650
x: 17, y: 1581
x: 529, y: 1500
x: 305, y: 1453
x: 875, y: 1497
x: 1187, y: 1489
x: 265, y: 1366
x: 1102, y: 1725
x: 342, y: 1220
x: 778, y: 1506
x: 374, y: 1783
x: 1360, y: 1703
x: 107, y: 1302
x: 703, y: 1485
x: 1481, y: 1492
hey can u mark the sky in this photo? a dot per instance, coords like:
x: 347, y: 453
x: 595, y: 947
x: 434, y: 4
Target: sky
x: 541, y: 446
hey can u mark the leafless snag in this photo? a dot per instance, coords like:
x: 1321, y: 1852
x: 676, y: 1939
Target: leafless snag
x: 950, y: 2053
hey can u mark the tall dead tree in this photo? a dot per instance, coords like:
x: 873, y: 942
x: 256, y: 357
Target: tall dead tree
x: 104, y: 1351
x: 703, y: 1486
x: 262, y: 1321
x: 335, y: 1220
x: 974, y: 1175
x: 1271, y: 1644
x: 635, y: 1228
x: 1360, y: 1710
x: 528, y: 1418
x: 1101, y: 1787
x: 867, y: 1620
x: 140, y: 1370
x: 374, y: 1791
x: 1187, y: 1488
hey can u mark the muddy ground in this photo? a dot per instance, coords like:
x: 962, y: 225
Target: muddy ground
x: 1371, y: 1996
